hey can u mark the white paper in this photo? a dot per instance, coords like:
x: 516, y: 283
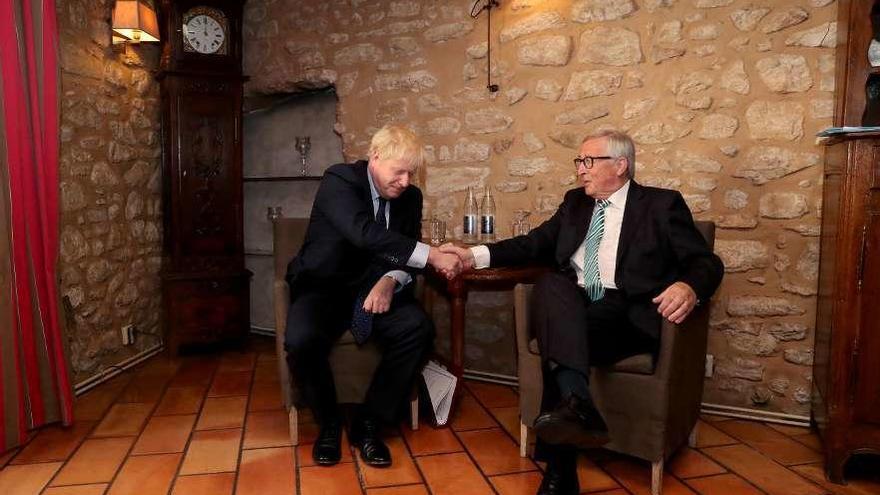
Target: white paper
x: 441, y: 387
x: 833, y: 131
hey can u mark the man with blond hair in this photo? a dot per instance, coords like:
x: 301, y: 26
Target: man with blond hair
x: 354, y: 271
x: 627, y: 256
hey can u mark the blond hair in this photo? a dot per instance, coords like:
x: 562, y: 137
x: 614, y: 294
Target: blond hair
x: 393, y: 142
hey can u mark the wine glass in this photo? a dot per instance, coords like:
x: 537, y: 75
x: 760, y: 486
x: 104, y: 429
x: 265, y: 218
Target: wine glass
x: 303, y: 145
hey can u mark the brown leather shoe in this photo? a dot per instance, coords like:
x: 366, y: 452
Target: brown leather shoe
x: 574, y: 422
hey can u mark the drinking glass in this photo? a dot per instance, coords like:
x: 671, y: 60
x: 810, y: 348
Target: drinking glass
x: 520, y: 226
x: 438, y: 231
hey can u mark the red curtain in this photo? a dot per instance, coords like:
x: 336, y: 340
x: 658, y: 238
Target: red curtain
x: 34, y: 383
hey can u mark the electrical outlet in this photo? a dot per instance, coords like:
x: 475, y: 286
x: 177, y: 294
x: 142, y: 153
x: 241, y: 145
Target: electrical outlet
x: 127, y: 334
x: 710, y: 365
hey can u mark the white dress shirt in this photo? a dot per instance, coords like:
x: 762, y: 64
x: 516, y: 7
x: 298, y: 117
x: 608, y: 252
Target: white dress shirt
x: 607, y: 247
x: 419, y: 256
x: 608, y: 244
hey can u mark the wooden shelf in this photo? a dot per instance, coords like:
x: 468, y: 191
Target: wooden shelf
x: 293, y: 178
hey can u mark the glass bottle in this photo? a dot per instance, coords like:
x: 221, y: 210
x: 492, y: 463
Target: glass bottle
x: 487, y: 217
x: 469, y: 231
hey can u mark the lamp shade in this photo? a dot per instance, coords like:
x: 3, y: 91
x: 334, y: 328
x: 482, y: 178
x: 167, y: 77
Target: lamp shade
x: 134, y: 21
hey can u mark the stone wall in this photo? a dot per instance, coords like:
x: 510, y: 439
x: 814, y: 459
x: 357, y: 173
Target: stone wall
x: 722, y: 96
x: 111, y: 213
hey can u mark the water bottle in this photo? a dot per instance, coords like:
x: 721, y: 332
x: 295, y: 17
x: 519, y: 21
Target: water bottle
x: 469, y: 227
x: 487, y: 217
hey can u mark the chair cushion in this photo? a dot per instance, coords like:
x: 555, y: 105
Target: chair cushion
x: 642, y: 364
x: 346, y: 338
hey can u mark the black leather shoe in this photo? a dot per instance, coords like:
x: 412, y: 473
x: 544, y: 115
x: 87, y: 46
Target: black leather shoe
x: 559, y: 481
x: 365, y: 436
x: 574, y: 422
x: 327, y: 449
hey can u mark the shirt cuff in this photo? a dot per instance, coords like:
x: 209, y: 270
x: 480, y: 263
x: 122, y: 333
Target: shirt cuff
x: 419, y: 256
x: 401, y: 277
x: 481, y: 256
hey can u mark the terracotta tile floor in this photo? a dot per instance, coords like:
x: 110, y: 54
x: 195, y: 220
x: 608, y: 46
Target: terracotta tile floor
x: 214, y: 425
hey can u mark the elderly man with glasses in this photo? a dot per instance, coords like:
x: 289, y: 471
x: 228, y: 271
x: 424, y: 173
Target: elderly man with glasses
x: 627, y: 256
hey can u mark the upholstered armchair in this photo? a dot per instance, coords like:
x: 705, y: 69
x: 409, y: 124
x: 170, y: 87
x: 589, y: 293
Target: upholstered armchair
x: 353, y: 366
x: 651, y: 407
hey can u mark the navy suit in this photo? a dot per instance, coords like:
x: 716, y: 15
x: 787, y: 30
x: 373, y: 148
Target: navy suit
x: 658, y: 245
x: 344, y: 254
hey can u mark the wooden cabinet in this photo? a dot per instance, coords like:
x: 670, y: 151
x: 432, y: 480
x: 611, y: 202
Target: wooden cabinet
x: 205, y: 284
x: 846, y: 373
x: 846, y: 398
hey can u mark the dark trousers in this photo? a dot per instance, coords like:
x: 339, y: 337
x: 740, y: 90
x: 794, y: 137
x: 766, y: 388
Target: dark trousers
x: 315, y: 322
x: 576, y: 333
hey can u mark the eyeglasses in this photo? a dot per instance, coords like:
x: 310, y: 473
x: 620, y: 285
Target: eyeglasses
x: 588, y: 161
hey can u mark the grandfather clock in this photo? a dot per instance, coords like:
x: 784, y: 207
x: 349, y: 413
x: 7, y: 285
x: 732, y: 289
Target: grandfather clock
x: 205, y: 286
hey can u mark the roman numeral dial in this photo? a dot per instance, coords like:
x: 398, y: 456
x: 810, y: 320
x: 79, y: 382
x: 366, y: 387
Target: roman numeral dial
x: 204, y: 34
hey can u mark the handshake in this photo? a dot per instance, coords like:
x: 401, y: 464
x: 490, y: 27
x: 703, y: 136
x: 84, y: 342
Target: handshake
x: 450, y: 260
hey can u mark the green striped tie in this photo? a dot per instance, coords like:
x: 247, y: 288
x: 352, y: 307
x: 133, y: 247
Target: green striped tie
x: 592, y: 280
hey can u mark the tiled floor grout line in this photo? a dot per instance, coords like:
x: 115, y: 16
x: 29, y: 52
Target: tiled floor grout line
x: 789, y: 437
x: 297, y: 481
x: 357, y: 468
x: 244, y: 419
x: 677, y: 477
x: 86, y: 437
x: 412, y: 456
x: 795, y: 438
x: 415, y: 461
x: 509, y: 435
x: 133, y: 391
x: 192, y: 431
x: 729, y: 472
x: 758, y: 452
x: 464, y: 445
x: 143, y: 427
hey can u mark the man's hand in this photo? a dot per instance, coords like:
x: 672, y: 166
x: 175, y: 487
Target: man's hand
x: 676, y: 302
x: 447, y: 264
x: 379, y: 298
x: 465, y: 255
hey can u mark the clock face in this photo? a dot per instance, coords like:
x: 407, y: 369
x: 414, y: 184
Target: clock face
x: 204, y: 31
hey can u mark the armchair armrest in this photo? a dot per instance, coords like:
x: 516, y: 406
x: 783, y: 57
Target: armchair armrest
x: 282, y: 306
x: 680, y: 368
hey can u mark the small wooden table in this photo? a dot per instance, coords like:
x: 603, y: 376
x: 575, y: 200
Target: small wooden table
x: 457, y: 289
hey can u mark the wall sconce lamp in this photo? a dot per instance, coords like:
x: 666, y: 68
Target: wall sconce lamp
x: 134, y: 21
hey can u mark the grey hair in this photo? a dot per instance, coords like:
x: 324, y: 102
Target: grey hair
x: 619, y: 145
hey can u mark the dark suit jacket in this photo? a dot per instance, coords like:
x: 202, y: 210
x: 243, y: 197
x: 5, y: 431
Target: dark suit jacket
x: 658, y: 245
x: 344, y: 247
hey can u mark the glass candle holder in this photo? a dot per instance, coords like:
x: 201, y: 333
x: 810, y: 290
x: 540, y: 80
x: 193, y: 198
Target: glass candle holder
x: 303, y: 145
x: 273, y: 213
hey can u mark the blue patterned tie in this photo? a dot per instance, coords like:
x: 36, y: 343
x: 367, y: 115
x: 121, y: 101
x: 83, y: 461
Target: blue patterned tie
x: 380, y: 213
x: 361, y: 321
x: 592, y: 280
